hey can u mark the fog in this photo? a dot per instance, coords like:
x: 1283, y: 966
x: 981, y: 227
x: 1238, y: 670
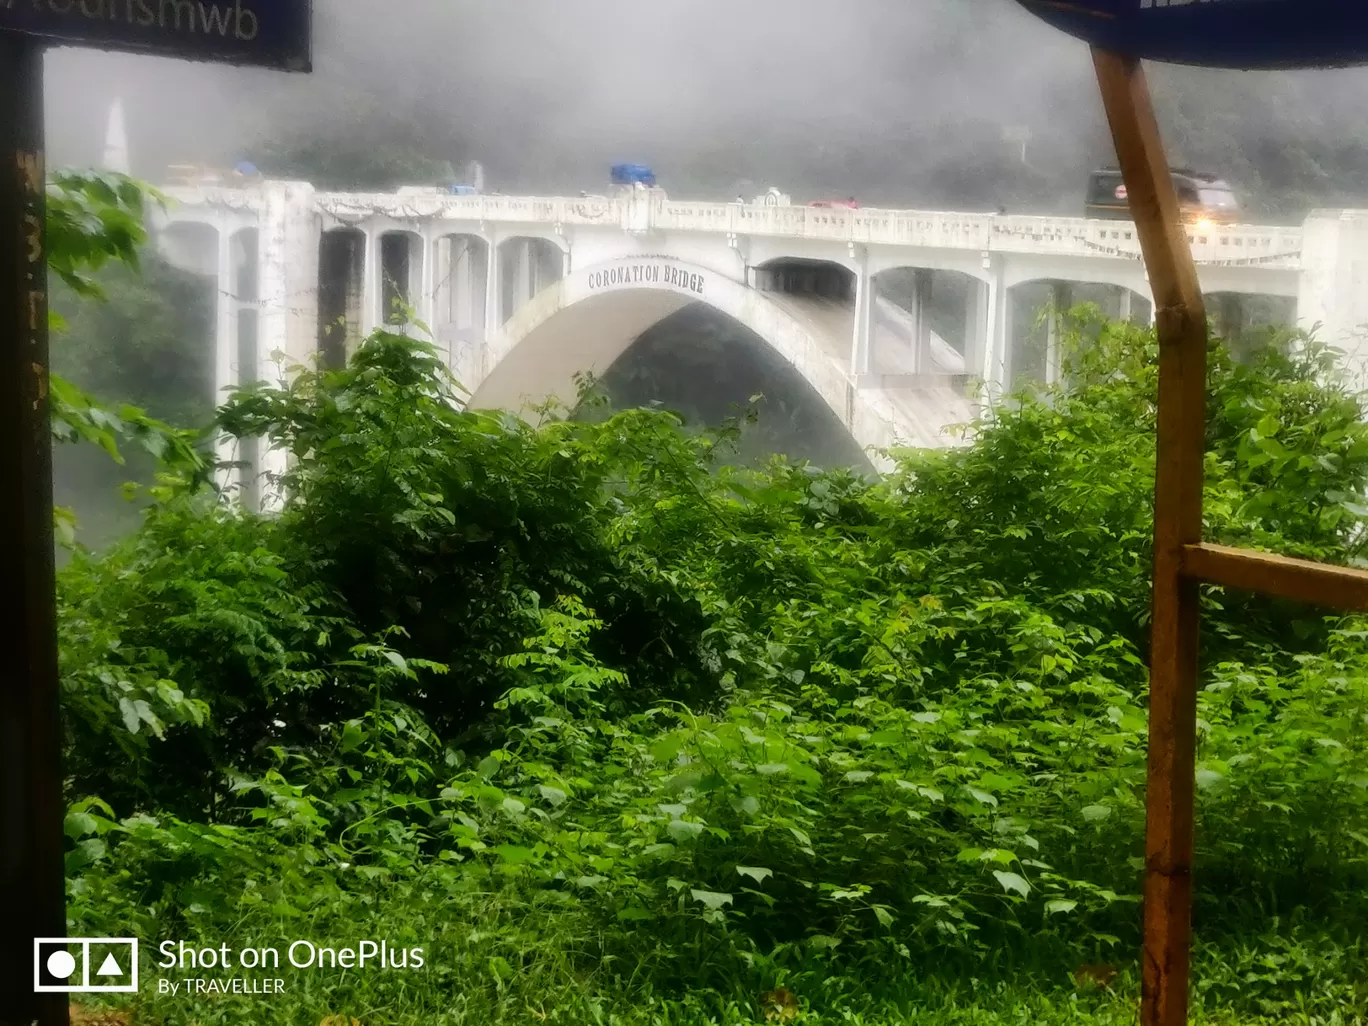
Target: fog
x: 895, y: 101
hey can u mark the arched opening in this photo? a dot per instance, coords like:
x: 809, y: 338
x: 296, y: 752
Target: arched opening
x: 810, y: 279
x: 401, y: 275
x: 341, y: 276
x: 927, y: 321
x: 190, y: 246
x: 1036, y: 323
x: 705, y: 366
x: 587, y: 321
x: 526, y: 266
x: 1244, y: 321
x: 461, y: 273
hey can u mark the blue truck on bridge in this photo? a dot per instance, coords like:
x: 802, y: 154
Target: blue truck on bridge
x: 633, y: 174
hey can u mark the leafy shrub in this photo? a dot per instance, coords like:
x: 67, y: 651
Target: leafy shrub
x: 633, y: 716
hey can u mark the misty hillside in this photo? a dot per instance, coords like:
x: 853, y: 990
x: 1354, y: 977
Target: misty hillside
x: 940, y: 103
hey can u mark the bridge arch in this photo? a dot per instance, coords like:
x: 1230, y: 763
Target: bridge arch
x: 585, y: 321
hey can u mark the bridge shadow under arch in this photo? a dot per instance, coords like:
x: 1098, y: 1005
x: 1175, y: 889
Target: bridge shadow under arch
x: 586, y: 321
x: 705, y: 366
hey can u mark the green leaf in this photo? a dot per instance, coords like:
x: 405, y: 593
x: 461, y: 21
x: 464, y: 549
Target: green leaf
x: 1208, y: 778
x: 1096, y: 813
x: 1013, y: 882
x: 1056, y: 906
x: 682, y: 830
x: 554, y: 795
x: 712, y: 900
x: 982, y: 796
x: 755, y: 873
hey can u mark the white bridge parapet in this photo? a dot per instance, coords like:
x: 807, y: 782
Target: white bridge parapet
x: 1237, y: 245
x: 467, y: 265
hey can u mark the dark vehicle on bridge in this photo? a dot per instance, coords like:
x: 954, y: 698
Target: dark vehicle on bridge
x: 633, y: 174
x: 849, y: 204
x: 1203, y: 198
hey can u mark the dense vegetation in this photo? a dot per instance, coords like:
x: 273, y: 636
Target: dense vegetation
x: 620, y: 734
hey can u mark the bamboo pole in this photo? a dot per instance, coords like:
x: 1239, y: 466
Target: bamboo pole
x: 1182, y: 329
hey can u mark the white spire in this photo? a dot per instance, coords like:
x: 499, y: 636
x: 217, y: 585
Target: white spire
x: 116, y: 141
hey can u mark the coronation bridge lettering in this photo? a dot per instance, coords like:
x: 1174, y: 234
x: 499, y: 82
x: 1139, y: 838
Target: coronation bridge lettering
x: 647, y: 274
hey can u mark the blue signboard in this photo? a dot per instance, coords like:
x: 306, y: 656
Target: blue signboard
x: 1219, y: 33
x: 266, y: 33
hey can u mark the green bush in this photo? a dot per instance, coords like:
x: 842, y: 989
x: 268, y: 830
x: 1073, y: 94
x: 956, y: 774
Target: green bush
x: 642, y: 725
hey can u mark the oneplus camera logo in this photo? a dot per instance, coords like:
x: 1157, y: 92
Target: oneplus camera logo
x: 85, y: 965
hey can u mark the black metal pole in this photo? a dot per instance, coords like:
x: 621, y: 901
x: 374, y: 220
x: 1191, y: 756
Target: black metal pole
x: 32, y: 891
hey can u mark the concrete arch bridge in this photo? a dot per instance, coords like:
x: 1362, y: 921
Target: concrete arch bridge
x: 889, y: 315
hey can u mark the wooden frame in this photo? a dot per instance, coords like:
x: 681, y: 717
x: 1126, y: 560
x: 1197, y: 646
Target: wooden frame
x: 1182, y: 562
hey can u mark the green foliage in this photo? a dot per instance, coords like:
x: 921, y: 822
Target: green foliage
x: 93, y: 218
x: 622, y: 734
x: 95, y: 225
x: 148, y: 341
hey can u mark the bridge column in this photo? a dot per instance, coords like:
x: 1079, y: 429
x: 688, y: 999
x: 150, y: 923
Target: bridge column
x: 1061, y: 299
x: 426, y: 303
x: 492, y: 319
x: 473, y: 291
x: 288, y: 250
x: 457, y: 284
x: 922, y: 280
x: 975, y: 326
x: 997, y: 349
x: 1124, y: 313
x: 1230, y: 316
x: 862, y: 343
x: 1333, y: 291
x: 524, y: 277
x: 370, y: 283
x: 225, y: 350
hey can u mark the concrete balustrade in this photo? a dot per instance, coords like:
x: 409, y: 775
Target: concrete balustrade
x: 488, y: 273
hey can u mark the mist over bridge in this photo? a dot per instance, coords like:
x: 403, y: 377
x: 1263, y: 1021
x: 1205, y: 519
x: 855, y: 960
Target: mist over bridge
x: 889, y: 315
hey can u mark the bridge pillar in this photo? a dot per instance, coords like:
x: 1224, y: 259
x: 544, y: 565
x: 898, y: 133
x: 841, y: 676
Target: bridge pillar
x: 920, y: 313
x: 427, y: 289
x: 997, y: 350
x: 493, y: 320
x: 862, y: 343
x: 524, y: 280
x: 225, y: 349
x: 1061, y: 299
x: 1230, y: 316
x: 1334, y: 284
x: 975, y: 326
x: 1124, y: 310
x: 370, y: 283
x: 288, y: 251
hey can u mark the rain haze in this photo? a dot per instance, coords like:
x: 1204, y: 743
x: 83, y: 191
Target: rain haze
x: 962, y: 103
x: 713, y: 513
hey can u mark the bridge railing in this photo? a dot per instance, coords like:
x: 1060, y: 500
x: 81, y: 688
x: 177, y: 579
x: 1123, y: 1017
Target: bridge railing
x: 1238, y: 245
x: 1252, y: 245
